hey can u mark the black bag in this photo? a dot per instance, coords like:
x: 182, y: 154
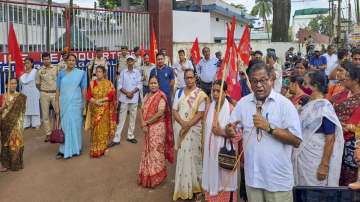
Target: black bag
x: 227, y: 158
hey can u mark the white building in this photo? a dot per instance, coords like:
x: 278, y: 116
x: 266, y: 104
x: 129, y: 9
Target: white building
x: 207, y: 21
x: 301, y: 18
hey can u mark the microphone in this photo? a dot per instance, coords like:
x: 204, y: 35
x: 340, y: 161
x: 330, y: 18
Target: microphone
x: 258, y: 111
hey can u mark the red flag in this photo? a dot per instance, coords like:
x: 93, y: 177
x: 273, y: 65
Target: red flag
x: 244, y: 47
x: 142, y: 51
x: 228, y: 67
x: 153, y: 46
x: 229, y: 44
x: 14, y: 51
x: 195, y: 52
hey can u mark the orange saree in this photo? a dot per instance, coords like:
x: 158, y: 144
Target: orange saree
x: 102, y: 117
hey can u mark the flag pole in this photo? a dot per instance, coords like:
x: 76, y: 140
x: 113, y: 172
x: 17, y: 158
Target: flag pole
x: 222, y: 83
x: 9, y: 73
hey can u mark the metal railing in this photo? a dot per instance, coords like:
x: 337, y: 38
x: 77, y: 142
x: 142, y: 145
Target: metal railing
x: 42, y: 27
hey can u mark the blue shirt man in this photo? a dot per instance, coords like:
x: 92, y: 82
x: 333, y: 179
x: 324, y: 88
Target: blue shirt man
x: 318, y: 61
x: 165, y: 76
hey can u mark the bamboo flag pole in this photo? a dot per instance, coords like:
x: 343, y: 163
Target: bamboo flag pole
x: 9, y: 74
x: 222, y: 82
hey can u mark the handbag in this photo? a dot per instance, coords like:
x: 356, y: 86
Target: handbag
x: 57, y: 135
x: 227, y: 158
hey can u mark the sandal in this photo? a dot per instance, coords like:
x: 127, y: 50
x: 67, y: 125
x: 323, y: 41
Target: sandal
x: 59, y: 155
x: 47, y: 139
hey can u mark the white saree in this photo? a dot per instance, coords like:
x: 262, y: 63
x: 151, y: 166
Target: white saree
x: 216, y: 179
x: 189, y: 162
x: 307, y: 157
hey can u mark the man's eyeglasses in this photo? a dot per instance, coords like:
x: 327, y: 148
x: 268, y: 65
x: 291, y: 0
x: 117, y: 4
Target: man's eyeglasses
x: 189, y: 77
x: 261, y: 81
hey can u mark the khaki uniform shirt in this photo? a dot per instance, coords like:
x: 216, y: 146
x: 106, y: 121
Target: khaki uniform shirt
x: 61, y: 64
x: 97, y: 62
x: 122, y: 63
x: 46, y: 78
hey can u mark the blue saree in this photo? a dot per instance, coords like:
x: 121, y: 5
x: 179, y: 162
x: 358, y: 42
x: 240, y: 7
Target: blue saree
x: 71, y: 108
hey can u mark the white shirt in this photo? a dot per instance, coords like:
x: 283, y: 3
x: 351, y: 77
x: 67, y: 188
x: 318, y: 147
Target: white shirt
x: 129, y: 80
x: 268, y: 162
x: 278, y: 80
x: 179, y: 71
x: 331, y: 61
x: 207, y: 69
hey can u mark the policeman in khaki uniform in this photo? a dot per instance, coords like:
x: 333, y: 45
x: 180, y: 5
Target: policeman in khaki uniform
x: 62, y: 62
x: 46, y: 83
x: 122, y: 59
x: 98, y: 61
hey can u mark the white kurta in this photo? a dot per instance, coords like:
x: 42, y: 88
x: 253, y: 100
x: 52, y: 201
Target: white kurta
x: 28, y: 88
x: 214, y: 178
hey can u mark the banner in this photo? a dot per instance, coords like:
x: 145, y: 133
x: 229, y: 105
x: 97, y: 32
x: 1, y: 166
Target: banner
x: 83, y: 60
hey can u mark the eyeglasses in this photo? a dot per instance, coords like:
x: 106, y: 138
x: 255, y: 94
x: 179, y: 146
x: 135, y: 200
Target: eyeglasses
x: 356, y: 59
x: 189, y: 77
x: 261, y: 81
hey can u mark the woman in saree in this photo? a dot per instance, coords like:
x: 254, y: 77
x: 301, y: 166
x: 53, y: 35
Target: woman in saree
x: 188, y: 109
x: 317, y: 160
x: 101, y: 117
x: 70, y: 96
x: 347, y: 107
x: 219, y: 184
x: 158, y: 147
x: 12, y: 111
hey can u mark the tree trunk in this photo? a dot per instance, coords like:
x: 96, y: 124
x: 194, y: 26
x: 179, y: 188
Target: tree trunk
x: 357, y: 11
x: 281, y: 19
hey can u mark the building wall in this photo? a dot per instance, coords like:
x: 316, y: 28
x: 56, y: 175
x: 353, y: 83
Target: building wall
x: 301, y: 21
x: 189, y: 25
x: 218, y: 28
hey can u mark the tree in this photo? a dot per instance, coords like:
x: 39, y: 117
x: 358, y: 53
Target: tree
x: 281, y: 19
x: 111, y: 4
x: 239, y: 6
x: 263, y: 9
x: 321, y: 24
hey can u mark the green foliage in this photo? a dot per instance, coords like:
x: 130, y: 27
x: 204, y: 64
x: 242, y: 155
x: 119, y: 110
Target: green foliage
x: 239, y: 6
x: 262, y: 8
x: 321, y: 24
x: 111, y: 4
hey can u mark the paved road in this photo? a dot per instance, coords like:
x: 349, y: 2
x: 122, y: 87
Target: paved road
x: 110, y: 178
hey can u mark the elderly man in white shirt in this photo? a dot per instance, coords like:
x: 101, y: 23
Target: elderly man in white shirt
x: 331, y: 59
x: 206, y: 71
x: 129, y: 85
x: 180, y: 67
x: 271, y: 128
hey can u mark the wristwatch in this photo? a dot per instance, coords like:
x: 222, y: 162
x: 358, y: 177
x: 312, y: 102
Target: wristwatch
x: 271, y: 130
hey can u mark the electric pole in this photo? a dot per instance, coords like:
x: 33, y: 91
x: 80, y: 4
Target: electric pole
x: 338, y: 30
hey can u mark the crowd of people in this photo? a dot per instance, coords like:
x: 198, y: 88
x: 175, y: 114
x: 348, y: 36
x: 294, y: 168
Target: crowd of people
x: 291, y: 127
